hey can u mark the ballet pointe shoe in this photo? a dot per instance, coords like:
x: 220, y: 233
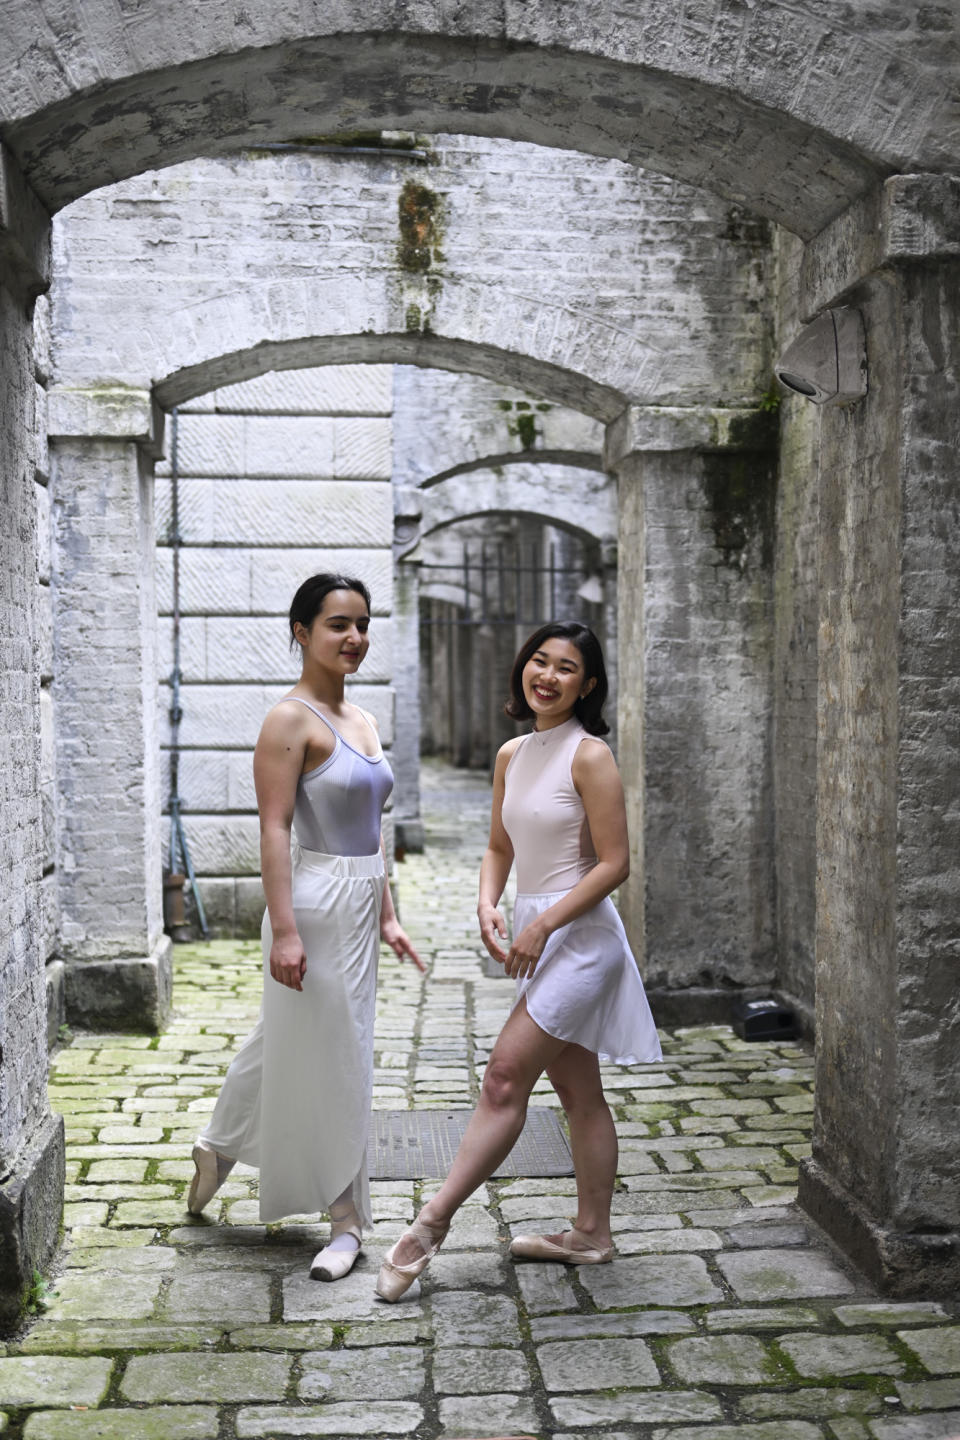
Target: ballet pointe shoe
x: 212, y: 1169
x: 541, y: 1247
x: 395, y: 1280
x: 330, y: 1264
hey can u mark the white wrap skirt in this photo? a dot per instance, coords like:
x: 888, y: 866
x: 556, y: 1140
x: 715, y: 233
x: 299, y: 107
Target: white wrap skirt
x: 296, y: 1099
x: 586, y: 988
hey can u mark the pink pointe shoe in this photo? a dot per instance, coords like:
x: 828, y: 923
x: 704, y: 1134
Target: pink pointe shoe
x: 212, y: 1169
x: 395, y: 1280
x: 574, y: 1248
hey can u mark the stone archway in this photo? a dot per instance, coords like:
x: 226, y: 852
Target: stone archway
x: 796, y: 114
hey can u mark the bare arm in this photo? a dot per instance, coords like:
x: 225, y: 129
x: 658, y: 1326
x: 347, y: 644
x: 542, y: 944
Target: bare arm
x: 598, y: 783
x: 496, y: 863
x: 277, y: 763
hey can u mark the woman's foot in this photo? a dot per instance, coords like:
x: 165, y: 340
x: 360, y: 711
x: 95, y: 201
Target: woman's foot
x: 212, y: 1169
x: 409, y: 1258
x: 337, y: 1259
x: 573, y: 1247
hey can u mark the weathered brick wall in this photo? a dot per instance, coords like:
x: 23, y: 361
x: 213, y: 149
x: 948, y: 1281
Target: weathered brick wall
x: 577, y: 280
x: 278, y: 478
x: 23, y: 1040
x: 790, y: 109
x: 707, y: 641
x: 796, y: 620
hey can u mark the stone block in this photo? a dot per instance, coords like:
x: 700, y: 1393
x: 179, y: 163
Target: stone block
x: 236, y: 1297
x: 318, y: 390
x: 160, y: 1422
x: 338, y: 1419
x: 276, y: 575
x: 821, y: 1356
x: 225, y: 1378
x: 106, y: 1296
x: 650, y: 1280
x: 53, y: 1380
x: 31, y: 1203
x: 378, y: 1373
x: 597, y: 1365
x: 462, y: 1318
x: 783, y: 1275
x: 938, y: 1349
x: 223, y: 844
x: 362, y: 449
x: 256, y: 514
x: 593, y: 1413
x: 133, y: 992
x: 250, y: 905
x: 56, y: 1000
x: 723, y: 1360
x: 207, y: 708
x: 44, y: 562
x: 49, y: 915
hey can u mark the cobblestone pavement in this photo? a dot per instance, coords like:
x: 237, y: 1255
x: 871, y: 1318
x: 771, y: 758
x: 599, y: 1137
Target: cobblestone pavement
x: 724, y: 1316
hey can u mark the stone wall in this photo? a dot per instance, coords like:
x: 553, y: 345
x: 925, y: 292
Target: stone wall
x: 278, y: 478
x: 796, y: 620
x: 31, y: 1140
x: 625, y: 285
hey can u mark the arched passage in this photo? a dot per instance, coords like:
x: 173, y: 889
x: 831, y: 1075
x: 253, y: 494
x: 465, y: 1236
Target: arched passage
x: 94, y: 102
x: 75, y: 95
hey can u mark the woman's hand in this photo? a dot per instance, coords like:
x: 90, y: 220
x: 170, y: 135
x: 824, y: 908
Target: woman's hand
x: 393, y: 934
x: 493, y: 927
x: 288, y: 960
x: 526, y: 950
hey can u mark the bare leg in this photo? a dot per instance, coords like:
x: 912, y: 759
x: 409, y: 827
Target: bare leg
x: 522, y: 1052
x: 575, y: 1075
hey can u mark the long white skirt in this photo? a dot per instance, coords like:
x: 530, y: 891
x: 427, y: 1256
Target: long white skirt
x: 296, y: 1099
x: 586, y: 988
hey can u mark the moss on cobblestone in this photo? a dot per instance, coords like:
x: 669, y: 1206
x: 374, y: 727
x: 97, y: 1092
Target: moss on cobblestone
x: 714, y: 1100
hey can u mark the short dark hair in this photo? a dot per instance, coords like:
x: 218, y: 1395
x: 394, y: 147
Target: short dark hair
x: 586, y: 710
x: 308, y: 601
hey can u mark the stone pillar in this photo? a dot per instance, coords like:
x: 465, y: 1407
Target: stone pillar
x: 118, y: 961
x: 694, y: 674
x: 884, y: 1179
x: 408, y: 826
x: 31, y: 1139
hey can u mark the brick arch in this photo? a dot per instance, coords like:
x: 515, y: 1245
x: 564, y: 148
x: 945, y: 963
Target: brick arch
x: 215, y: 271
x: 790, y: 110
x: 539, y: 374
x: 546, y: 492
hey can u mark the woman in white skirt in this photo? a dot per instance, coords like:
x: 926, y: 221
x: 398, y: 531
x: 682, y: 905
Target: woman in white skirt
x: 296, y: 1099
x: 558, y: 811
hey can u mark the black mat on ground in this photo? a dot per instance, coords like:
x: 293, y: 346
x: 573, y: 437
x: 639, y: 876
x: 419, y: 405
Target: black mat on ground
x: 420, y: 1144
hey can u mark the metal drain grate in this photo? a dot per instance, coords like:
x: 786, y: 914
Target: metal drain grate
x: 421, y: 1144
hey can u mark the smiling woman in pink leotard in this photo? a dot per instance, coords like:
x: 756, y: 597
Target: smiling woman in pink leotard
x: 558, y: 811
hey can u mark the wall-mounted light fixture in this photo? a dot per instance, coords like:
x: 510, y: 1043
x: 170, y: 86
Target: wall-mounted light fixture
x: 827, y: 362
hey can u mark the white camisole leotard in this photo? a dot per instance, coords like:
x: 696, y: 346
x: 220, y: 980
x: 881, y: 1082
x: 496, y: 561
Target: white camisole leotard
x: 586, y: 988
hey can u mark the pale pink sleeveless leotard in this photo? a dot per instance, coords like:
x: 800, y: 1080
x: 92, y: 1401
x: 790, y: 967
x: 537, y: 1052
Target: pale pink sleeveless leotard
x: 586, y: 988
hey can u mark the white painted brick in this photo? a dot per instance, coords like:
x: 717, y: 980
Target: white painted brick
x: 222, y: 844
x: 220, y: 717
x: 362, y: 449
x: 290, y: 445
x: 209, y: 445
x: 276, y: 575
x: 193, y: 657
x: 241, y: 794
x: 45, y: 631
x: 216, y: 582
x: 43, y: 534
x: 323, y: 390
x: 204, y: 780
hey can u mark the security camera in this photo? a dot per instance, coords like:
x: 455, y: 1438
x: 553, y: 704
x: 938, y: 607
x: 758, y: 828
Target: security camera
x: 827, y: 363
